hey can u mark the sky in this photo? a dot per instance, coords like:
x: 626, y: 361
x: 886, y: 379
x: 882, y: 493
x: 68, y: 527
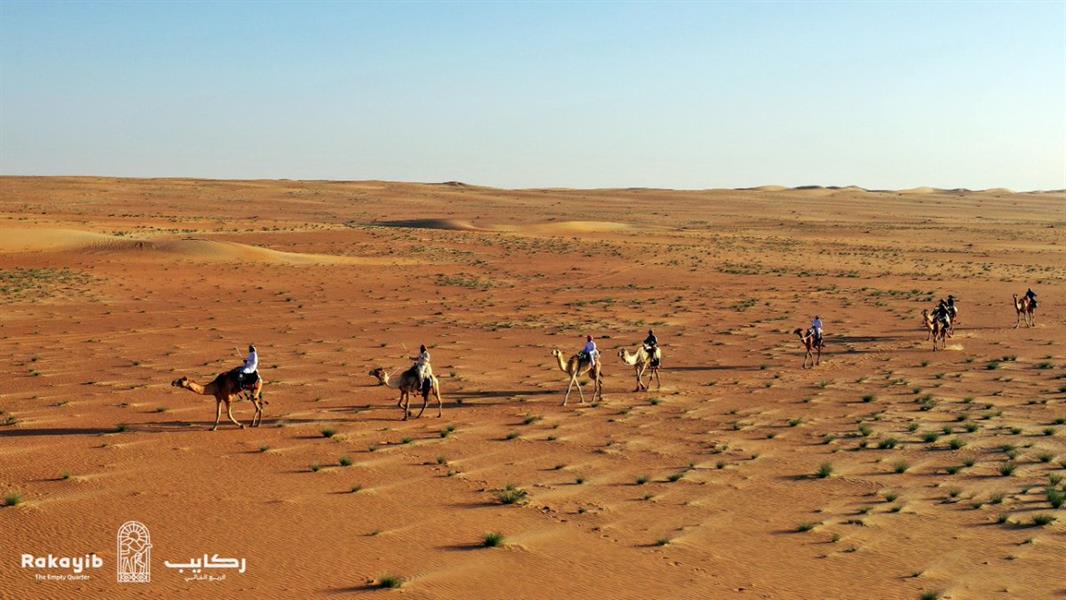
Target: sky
x: 680, y: 95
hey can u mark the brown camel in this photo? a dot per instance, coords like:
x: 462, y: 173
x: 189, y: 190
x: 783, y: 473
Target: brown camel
x: 641, y: 362
x: 409, y: 384
x: 940, y: 332
x: 813, y: 346
x: 576, y: 367
x: 1025, y: 310
x: 224, y: 389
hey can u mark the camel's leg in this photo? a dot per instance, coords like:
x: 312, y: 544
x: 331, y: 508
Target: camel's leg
x: 405, y: 401
x: 218, y: 413
x: 257, y: 419
x: 658, y: 381
x: 440, y: 403
x: 425, y: 401
x: 229, y: 413
x: 573, y: 382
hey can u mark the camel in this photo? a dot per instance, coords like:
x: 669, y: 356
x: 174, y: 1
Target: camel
x: 224, y: 389
x: 929, y: 322
x: 641, y: 362
x: 576, y: 367
x: 409, y: 384
x: 940, y: 331
x: 1025, y: 310
x: 812, y: 345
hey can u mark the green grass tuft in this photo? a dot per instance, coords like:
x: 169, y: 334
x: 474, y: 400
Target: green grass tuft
x: 512, y: 495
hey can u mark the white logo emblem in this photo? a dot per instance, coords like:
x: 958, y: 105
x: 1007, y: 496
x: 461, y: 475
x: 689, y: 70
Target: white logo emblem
x: 134, y: 553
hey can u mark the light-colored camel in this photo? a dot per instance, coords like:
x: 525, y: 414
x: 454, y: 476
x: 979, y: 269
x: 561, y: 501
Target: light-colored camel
x: 408, y: 384
x: 224, y: 389
x: 812, y: 345
x: 575, y: 367
x: 929, y: 322
x: 641, y: 361
x: 1025, y: 310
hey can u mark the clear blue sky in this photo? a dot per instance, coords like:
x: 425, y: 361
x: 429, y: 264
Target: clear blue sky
x: 686, y: 95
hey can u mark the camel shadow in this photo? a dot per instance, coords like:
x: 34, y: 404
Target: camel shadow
x: 50, y: 431
x: 502, y: 393
x: 863, y: 339
x: 714, y: 368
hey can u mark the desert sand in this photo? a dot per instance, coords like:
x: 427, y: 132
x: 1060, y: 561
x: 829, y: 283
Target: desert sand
x: 938, y: 464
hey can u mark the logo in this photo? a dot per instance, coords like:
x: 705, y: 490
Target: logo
x: 196, y: 567
x: 76, y: 565
x: 134, y: 553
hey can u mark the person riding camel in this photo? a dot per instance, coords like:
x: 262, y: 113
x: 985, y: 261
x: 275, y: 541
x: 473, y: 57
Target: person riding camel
x: 249, y: 371
x: 422, y: 367
x: 651, y: 346
x: 816, y: 329
x: 1031, y: 295
x: 953, y: 310
x: 590, y: 350
x: 943, y: 314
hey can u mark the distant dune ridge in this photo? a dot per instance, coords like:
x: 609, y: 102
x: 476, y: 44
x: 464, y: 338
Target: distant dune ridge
x: 66, y: 240
x: 561, y: 227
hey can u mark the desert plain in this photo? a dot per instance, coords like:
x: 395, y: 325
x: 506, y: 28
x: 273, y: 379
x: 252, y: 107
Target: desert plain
x: 888, y: 471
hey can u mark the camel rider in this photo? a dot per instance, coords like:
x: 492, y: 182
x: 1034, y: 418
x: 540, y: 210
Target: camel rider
x: 651, y: 346
x: 953, y: 311
x: 651, y: 342
x: 942, y: 314
x: 251, y: 365
x: 1031, y: 295
x: 590, y: 350
x: 816, y: 328
x: 422, y: 366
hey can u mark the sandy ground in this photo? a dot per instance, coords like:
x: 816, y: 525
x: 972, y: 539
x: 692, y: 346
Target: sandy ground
x: 705, y: 488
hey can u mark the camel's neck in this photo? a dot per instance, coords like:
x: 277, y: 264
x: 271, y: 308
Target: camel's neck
x: 203, y: 390
x: 385, y: 381
x: 631, y: 359
x: 562, y: 363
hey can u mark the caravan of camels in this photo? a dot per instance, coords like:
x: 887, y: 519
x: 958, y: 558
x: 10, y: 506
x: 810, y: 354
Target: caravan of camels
x: 647, y: 358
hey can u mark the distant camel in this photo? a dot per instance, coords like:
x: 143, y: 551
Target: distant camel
x: 409, y: 383
x: 224, y: 389
x: 929, y: 322
x: 575, y: 367
x: 940, y: 332
x: 1025, y: 310
x: 813, y: 346
x: 641, y: 362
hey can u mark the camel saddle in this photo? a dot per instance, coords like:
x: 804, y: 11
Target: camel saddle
x: 249, y: 380
x: 656, y: 356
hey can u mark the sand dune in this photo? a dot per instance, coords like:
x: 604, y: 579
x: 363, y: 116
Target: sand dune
x: 442, y: 224
x: 560, y: 228
x: 53, y: 240
x: 48, y: 240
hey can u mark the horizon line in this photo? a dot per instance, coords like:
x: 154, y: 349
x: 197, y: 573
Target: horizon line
x: 459, y: 183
